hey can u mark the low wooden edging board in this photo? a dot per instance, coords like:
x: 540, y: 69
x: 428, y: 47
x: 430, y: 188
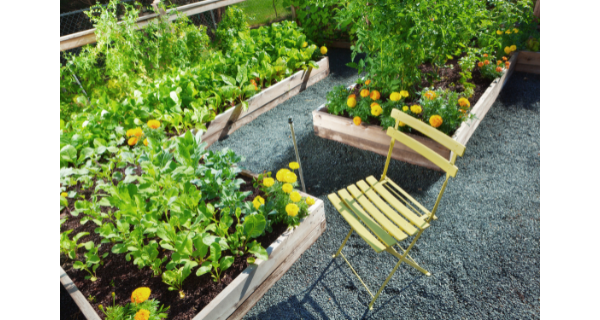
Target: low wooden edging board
x: 373, y: 138
x: 528, y: 61
x: 249, y: 286
x: 234, y: 118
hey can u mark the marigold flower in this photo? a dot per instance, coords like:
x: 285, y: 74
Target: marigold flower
x: 498, y: 32
x: 364, y: 93
x: 323, y: 50
x: 513, y: 48
x: 143, y: 314
x: 287, y: 188
x: 504, y: 58
x: 507, y: 64
x: 281, y: 175
x: 368, y: 82
x: 310, y: 201
x: 304, y: 44
x: 507, y: 50
x: 357, y: 121
x: 464, y: 102
x: 402, y: 124
x: 498, y: 69
x: 258, y: 201
x: 132, y: 141
x: 268, y: 182
x: 138, y: 132
x: 498, y: 62
x: 375, y: 95
x: 294, y: 165
x: 515, y: 30
x: 295, y: 196
x: 507, y: 31
x: 376, y: 109
x: 485, y: 55
x: 292, y: 209
x: 154, y: 124
x: 486, y: 62
x: 352, y: 96
x: 430, y: 95
x: 290, y: 177
x: 416, y: 109
x: 351, y: 103
x: 395, y: 96
x: 404, y: 93
x: 140, y: 295
x: 480, y: 64
x: 435, y: 121
x: 146, y: 142
x: 64, y: 194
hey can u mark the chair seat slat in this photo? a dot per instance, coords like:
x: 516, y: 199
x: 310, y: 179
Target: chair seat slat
x: 406, y: 195
x: 355, y: 224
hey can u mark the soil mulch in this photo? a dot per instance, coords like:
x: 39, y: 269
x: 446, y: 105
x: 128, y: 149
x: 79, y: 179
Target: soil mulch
x: 122, y: 277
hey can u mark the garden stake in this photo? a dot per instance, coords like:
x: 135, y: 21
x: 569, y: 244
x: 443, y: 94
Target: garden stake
x: 291, y: 122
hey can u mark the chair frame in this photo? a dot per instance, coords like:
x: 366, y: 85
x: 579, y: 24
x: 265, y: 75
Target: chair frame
x: 446, y: 165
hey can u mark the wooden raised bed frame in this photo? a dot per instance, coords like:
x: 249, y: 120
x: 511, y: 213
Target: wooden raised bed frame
x: 234, y: 118
x: 374, y: 138
x: 528, y: 61
x: 249, y: 286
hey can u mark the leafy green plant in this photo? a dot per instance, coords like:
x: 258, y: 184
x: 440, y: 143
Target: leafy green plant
x: 174, y: 278
x: 92, y: 260
x: 216, y: 264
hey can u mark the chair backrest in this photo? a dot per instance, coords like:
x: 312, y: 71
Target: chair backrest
x: 436, y: 135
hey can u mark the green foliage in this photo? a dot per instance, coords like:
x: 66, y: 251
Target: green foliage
x: 128, y: 311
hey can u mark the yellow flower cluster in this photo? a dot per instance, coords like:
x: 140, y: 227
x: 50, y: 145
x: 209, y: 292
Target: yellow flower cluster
x: 140, y: 295
x: 357, y: 121
x: 435, y: 121
x: 464, y: 102
x: 430, y: 95
x: 154, y: 124
x: 292, y: 209
x: 294, y: 165
x: 375, y: 95
x: 376, y: 109
x: 258, y: 201
x: 143, y: 314
x: 287, y: 188
x: 310, y: 201
x: 499, y: 32
x: 132, y: 141
x: 405, y: 108
x: 351, y: 102
x: 295, y: 196
x: 364, y: 93
x: 395, y: 96
x: 510, y: 49
x: 268, y: 182
x: 137, y: 132
x: 416, y: 109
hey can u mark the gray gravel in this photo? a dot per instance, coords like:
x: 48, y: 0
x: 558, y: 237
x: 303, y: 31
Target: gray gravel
x: 483, y: 252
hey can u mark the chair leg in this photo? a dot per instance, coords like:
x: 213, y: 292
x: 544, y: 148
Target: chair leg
x: 343, y: 244
x: 384, y: 284
x: 409, y: 260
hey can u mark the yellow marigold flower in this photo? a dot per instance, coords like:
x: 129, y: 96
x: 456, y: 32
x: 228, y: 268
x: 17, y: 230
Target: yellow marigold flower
x: 287, y: 188
x: 368, y: 82
x: 140, y: 295
x: 376, y: 109
x: 258, y: 201
x: 507, y: 50
x: 290, y: 177
x: 143, y: 314
x: 295, y: 196
x: 405, y: 108
x: 323, y: 50
x: 416, y: 109
x: 498, y: 32
x: 292, y: 209
x: 430, y: 95
x: 304, y: 44
x: 357, y: 121
x: 351, y: 103
x: 402, y: 124
x: 146, y: 142
x: 154, y: 124
x: 310, y: 201
x: 132, y: 141
x: 515, y: 30
x: 352, y: 96
x: 268, y: 182
x: 508, y: 31
x: 375, y: 95
x: 294, y: 165
x: 281, y: 175
x: 435, y: 121
x: 464, y: 102
x: 129, y: 133
x: 64, y: 194
x: 513, y: 48
x: 364, y: 93
x: 404, y: 93
x: 395, y: 96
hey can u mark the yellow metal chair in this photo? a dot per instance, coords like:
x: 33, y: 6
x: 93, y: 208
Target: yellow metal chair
x: 376, y: 203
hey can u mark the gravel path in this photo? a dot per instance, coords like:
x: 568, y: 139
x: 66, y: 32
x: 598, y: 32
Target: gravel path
x: 483, y: 251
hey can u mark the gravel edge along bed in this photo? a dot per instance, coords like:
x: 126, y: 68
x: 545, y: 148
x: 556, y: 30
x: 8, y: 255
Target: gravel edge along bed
x: 483, y: 251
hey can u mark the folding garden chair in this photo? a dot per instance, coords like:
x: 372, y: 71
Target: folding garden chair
x: 377, y: 203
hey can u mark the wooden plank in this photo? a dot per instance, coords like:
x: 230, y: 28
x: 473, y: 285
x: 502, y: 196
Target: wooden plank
x: 528, y: 68
x: 365, y: 218
x: 278, y: 273
x: 406, y: 212
x: 376, y: 214
x: 528, y: 57
x: 386, y: 209
x: 86, y: 37
x: 355, y: 224
x: 83, y: 304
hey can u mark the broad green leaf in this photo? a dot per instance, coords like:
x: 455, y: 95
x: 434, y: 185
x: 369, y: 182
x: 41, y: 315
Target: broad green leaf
x: 226, y: 262
x: 254, y: 225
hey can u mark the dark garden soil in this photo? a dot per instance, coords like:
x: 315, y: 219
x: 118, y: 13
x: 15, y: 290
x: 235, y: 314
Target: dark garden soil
x: 122, y: 277
x: 448, y: 78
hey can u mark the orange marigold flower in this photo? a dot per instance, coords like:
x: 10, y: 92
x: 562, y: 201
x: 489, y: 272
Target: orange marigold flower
x: 485, y: 55
x: 352, y: 96
x: 375, y: 95
x: 357, y: 121
x: 368, y: 82
x: 504, y: 58
x: 430, y: 95
x: 154, y: 124
x: 498, y: 62
x: 507, y: 64
x: 132, y: 141
x: 140, y: 295
x: 364, y: 93
x: 480, y: 64
x: 464, y: 102
x: 137, y: 132
x: 486, y: 62
x: 435, y: 121
x: 143, y: 314
x: 498, y: 69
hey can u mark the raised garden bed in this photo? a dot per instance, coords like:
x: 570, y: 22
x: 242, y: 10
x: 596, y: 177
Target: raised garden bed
x: 528, y: 61
x: 250, y: 285
x: 234, y: 118
x: 374, y: 138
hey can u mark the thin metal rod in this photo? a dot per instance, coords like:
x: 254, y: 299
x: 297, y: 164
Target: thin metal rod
x: 343, y: 244
x: 76, y: 79
x: 361, y: 281
x: 291, y: 122
x: 212, y: 15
